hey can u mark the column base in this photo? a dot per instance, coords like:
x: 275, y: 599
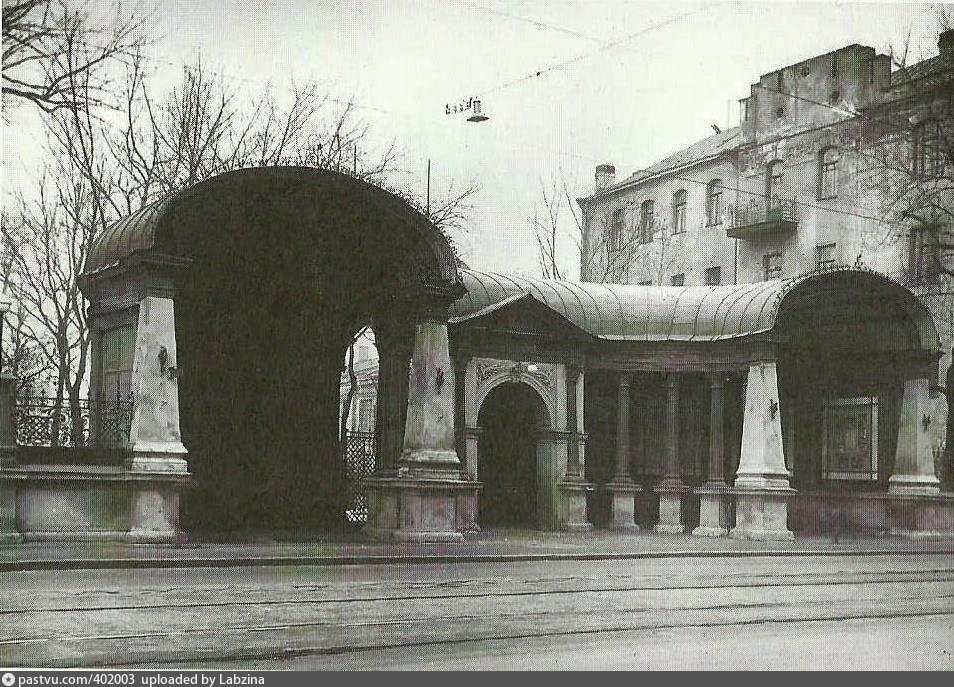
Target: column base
x: 145, y: 536
x: 713, y: 511
x: 154, y: 509
x: 573, y: 516
x: 914, y: 485
x: 421, y: 510
x: 670, y: 492
x: 762, y: 514
x: 622, y: 493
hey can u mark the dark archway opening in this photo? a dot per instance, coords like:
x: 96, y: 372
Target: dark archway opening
x: 284, y: 268
x: 510, y: 418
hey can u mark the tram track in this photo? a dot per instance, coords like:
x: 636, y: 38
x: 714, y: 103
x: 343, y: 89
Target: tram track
x: 267, y: 621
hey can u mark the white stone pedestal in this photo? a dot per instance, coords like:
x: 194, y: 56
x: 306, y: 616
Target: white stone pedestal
x: 762, y: 514
x: 420, y: 510
x: 713, y: 511
x: 154, y: 510
x: 622, y: 496
x: 573, y: 517
x: 670, y: 508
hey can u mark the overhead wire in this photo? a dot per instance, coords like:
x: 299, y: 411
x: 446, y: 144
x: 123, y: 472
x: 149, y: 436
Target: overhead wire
x: 606, y: 46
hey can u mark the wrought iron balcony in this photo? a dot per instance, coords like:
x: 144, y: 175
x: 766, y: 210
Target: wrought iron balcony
x: 763, y: 217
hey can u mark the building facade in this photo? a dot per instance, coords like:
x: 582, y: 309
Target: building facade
x: 838, y: 161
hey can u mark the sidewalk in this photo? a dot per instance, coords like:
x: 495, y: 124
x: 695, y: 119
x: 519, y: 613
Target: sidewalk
x: 276, y: 549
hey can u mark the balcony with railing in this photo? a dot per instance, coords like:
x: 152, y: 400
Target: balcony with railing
x: 760, y: 217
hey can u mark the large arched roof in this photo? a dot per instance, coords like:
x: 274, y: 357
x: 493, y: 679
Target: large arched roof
x: 153, y: 227
x: 675, y: 313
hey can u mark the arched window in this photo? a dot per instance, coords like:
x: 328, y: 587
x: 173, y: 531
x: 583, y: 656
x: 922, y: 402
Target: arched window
x: 828, y: 173
x: 926, y: 156
x: 714, y: 202
x: 646, y: 221
x: 615, y: 238
x: 773, y: 183
x: 679, y: 212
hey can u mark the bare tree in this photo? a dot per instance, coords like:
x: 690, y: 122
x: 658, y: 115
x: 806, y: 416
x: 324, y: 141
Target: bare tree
x: 101, y: 168
x: 605, y: 243
x: 47, y: 242
x: 49, y: 45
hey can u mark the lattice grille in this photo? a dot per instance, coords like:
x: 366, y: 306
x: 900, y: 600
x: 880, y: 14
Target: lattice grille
x: 359, y: 459
x: 43, y: 421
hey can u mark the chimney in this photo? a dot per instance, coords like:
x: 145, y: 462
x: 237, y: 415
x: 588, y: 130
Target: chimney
x: 605, y: 177
x: 945, y: 44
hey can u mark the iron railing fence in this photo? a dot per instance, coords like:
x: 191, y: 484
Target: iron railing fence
x: 359, y: 463
x: 48, y: 422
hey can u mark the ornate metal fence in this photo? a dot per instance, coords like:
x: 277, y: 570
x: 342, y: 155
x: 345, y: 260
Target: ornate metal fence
x: 359, y: 461
x: 44, y: 421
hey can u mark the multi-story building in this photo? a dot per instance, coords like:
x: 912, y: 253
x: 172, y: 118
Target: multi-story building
x: 838, y: 160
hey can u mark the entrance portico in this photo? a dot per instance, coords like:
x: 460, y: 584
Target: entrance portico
x: 688, y: 387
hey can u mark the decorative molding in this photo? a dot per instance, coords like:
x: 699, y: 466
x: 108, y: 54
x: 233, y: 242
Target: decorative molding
x: 518, y: 371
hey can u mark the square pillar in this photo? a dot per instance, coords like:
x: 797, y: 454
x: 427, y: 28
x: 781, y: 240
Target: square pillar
x: 428, y: 498
x: 914, y: 460
x: 713, y: 496
x: 157, y: 469
x: 671, y: 489
x: 762, y: 490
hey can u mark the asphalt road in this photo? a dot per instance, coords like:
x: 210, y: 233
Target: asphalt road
x: 810, y: 612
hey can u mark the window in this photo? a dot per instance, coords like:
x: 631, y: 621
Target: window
x: 773, y: 183
x: 646, y: 221
x: 714, y: 202
x: 824, y: 257
x: 924, y: 254
x: 828, y: 173
x: 366, y: 415
x: 679, y: 212
x: 926, y: 155
x: 850, y: 442
x: 117, y: 348
x: 678, y: 280
x: 772, y: 265
x: 615, y: 238
x: 713, y: 276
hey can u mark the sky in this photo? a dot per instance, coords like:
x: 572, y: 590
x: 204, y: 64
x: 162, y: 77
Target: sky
x: 638, y: 81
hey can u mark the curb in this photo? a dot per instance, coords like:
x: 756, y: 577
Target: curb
x: 418, y: 559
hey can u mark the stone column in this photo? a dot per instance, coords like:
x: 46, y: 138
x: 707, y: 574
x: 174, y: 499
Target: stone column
x: 424, y: 501
x: 9, y: 534
x: 573, y: 486
x: 713, y: 495
x: 914, y: 460
x: 157, y: 469
x: 761, y: 487
x: 671, y: 488
x: 621, y: 489
x: 916, y: 510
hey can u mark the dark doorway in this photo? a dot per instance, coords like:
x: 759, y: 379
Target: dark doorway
x: 510, y: 418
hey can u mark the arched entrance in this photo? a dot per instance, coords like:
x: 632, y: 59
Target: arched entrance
x: 271, y: 271
x: 513, y: 457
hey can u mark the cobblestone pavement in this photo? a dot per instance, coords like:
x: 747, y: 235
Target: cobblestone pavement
x: 479, y: 614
